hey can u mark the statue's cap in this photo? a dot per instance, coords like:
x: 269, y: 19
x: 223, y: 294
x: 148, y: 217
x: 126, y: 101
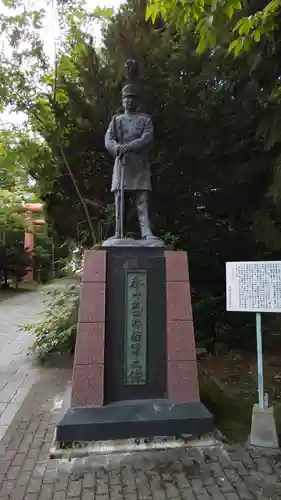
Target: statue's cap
x: 130, y: 90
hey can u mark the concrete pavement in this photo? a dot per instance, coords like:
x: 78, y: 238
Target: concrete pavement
x: 18, y: 373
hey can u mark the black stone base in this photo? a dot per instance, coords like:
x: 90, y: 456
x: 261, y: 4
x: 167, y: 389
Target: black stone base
x: 129, y: 419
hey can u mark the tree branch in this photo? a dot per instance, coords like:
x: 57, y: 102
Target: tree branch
x: 63, y: 156
x: 97, y: 204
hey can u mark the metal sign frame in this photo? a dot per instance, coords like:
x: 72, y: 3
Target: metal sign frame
x: 254, y: 286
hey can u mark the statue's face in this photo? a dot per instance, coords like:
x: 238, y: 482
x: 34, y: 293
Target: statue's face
x: 129, y: 103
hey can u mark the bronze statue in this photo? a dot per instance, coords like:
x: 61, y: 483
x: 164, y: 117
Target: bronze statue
x: 129, y: 139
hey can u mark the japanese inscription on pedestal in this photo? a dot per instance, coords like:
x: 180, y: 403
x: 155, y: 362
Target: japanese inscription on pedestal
x: 136, y: 328
x: 253, y: 286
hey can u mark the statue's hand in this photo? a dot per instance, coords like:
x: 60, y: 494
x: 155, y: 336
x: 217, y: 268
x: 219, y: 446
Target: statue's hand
x: 123, y: 149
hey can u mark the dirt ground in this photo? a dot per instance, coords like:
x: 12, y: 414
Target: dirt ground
x: 228, y: 385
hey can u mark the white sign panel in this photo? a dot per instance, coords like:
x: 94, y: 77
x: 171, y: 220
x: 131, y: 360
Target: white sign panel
x: 253, y: 286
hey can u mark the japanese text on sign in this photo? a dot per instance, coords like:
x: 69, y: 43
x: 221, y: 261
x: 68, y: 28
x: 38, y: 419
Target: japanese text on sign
x: 136, y: 328
x: 253, y: 286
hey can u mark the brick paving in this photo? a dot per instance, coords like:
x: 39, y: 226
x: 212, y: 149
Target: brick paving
x: 27, y: 473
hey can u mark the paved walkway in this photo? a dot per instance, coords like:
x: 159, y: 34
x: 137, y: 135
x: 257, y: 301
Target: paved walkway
x: 17, y: 373
x: 27, y: 473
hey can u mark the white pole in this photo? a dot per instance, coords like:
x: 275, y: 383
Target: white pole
x: 260, y: 363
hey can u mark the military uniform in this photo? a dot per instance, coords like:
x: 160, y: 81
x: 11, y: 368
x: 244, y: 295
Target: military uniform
x: 135, y: 129
x: 138, y: 131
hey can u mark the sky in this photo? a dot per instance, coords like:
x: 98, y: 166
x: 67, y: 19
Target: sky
x: 49, y: 33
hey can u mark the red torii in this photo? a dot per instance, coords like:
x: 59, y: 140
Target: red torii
x: 29, y: 209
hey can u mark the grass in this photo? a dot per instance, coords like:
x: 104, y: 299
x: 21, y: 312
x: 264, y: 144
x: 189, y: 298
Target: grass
x: 12, y: 291
x: 228, y: 388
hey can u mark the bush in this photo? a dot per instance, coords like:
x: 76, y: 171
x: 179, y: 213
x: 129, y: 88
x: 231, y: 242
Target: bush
x: 14, y: 262
x: 56, y: 332
x: 42, y: 261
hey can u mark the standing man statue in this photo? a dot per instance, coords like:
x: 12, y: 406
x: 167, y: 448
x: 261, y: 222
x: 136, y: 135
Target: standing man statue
x: 129, y: 139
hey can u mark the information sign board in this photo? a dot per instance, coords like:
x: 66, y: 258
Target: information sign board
x: 253, y: 286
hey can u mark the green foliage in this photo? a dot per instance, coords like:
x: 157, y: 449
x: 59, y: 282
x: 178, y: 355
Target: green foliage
x: 43, y: 254
x: 104, y: 13
x: 13, y: 173
x: 10, y: 216
x: 56, y: 332
x: 171, y: 240
x: 49, y: 255
x: 215, y: 23
x: 216, y: 162
x: 14, y: 260
x: 18, y: 261
x: 42, y: 258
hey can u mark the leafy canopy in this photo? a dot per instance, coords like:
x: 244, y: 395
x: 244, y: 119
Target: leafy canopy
x: 216, y: 165
x: 238, y: 24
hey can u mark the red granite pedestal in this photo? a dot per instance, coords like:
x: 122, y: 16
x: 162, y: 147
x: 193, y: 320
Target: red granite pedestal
x: 88, y: 371
x: 178, y: 410
x: 182, y: 376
